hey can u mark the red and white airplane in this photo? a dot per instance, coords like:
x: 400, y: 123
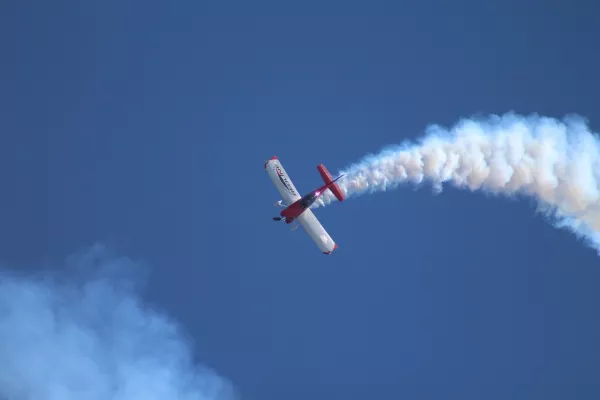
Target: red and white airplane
x: 297, y: 207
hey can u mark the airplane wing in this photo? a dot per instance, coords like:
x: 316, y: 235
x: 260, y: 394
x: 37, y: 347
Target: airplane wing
x: 315, y: 230
x: 282, y: 181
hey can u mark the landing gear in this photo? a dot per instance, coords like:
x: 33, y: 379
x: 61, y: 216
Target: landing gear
x: 280, y: 219
x: 294, y: 227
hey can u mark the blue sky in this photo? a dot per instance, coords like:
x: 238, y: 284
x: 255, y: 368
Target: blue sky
x: 145, y: 126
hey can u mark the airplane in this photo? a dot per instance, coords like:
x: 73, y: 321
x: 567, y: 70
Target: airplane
x: 297, y: 208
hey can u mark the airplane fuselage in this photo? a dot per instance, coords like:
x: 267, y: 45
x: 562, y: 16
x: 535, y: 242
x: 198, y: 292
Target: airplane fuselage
x: 294, y: 210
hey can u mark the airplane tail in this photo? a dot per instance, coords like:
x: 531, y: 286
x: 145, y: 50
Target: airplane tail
x: 335, y: 189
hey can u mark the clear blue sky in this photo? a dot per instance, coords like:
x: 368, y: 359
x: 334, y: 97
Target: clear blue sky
x: 145, y: 126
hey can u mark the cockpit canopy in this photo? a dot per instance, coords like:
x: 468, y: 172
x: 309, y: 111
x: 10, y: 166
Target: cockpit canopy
x: 307, y: 200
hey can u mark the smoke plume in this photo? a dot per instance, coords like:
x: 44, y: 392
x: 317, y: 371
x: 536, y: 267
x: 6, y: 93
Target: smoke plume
x: 84, y: 333
x: 555, y: 162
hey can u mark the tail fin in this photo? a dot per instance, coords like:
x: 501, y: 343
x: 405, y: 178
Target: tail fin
x: 335, y: 189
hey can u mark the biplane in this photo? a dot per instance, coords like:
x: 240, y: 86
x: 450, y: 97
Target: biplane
x: 297, y: 208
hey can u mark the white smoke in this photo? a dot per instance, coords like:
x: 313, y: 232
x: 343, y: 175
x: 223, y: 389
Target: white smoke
x: 555, y: 162
x: 85, y: 334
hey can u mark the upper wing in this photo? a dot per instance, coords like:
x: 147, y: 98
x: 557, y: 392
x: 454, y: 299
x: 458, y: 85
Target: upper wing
x: 315, y: 230
x: 282, y: 181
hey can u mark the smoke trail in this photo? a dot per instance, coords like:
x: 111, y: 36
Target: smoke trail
x: 556, y: 162
x: 86, y: 335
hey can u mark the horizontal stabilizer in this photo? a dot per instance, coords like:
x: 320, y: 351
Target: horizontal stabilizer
x: 335, y: 189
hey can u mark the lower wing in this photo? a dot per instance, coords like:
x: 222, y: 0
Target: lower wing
x: 315, y: 230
